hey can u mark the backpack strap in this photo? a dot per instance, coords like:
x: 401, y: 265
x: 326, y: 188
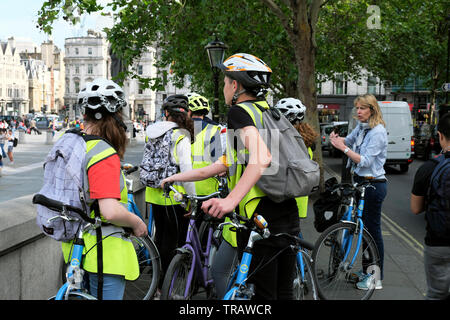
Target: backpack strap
x: 98, y: 231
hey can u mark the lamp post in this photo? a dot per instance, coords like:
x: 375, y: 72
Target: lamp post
x: 448, y: 55
x: 216, y: 51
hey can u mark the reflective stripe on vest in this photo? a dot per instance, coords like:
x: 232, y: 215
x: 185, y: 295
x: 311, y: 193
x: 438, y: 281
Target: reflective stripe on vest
x: 201, y: 157
x: 119, y: 256
x: 155, y: 195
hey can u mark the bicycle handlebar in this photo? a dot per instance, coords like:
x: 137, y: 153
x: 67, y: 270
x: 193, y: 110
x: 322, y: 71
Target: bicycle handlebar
x: 129, y: 168
x: 60, y: 207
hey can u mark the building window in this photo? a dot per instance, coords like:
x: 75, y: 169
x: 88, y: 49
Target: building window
x: 89, y: 50
x: 90, y: 69
x: 77, y: 69
x: 77, y: 51
x: 372, y: 85
x: 340, y: 85
x: 77, y: 86
x: 140, y: 91
x: 140, y: 69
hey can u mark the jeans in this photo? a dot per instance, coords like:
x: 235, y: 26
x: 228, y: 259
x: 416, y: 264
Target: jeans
x: 437, y: 270
x: 113, y: 286
x: 373, y: 201
x: 2, y: 145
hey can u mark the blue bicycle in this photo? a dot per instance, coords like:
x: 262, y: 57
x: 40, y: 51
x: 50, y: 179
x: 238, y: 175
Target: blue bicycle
x: 238, y: 289
x: 345, y: 246
x: 74, y: 287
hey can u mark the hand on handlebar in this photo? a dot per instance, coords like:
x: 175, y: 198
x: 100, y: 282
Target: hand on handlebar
x: 217, y: 208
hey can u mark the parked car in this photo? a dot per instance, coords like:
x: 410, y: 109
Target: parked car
x: 423, y: 141
x: 43, y: 122
x: 340, y: 127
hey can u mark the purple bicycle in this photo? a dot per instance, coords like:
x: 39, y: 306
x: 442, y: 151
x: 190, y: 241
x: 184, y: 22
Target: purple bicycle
x: 189, y: 269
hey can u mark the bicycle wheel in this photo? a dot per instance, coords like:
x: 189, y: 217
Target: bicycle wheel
x: 335, y: 278
x: 75, y: 295
x: 144, y: 287
x: 304, y: 282
x: 176, y: 285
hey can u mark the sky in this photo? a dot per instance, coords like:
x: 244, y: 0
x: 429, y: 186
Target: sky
x: 18, y: 19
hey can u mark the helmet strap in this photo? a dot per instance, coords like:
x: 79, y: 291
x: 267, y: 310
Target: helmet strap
x: 236, y: 95
x: 120, y: 122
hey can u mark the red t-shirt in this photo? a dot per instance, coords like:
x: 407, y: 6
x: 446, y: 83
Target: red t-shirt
x: 104, y: 178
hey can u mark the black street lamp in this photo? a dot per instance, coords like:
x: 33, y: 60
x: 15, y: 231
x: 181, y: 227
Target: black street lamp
x: 448, y: 55
x: 216, y: 51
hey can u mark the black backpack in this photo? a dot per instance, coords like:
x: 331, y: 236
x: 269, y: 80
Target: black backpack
x: 438, y: 198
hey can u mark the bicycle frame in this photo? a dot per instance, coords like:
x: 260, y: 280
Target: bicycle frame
x: 74, y: 271
x: 241, y: 273
x: 200, y: 258
x: 348, y: 239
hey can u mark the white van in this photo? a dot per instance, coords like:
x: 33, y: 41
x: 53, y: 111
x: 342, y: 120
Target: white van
x: 399, y: 127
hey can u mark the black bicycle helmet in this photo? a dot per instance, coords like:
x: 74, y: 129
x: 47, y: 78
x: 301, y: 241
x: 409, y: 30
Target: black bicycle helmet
x: 176, y: 103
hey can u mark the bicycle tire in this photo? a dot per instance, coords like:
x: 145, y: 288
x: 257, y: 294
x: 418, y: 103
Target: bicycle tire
x: 176, y: 278
x: 305, y: 288
x: 77, y: 296
x: 334, y: 279
x: 144, y: 287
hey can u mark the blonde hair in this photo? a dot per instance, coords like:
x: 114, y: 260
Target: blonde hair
x: 369, y: 101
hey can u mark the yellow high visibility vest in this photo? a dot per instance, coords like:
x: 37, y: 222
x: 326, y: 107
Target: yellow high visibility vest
x: 119, y: 256
x: 201, y: 157
x: 248, y: 204
x: 302, y: 202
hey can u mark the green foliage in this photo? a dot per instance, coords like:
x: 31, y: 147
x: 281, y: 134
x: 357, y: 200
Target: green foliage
x: 410, y: 41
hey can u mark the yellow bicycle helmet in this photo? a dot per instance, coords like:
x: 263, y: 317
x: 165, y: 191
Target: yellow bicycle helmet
x: 198, y: 102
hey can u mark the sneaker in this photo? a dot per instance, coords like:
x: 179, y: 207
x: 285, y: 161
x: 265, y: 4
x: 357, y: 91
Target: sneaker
x: 368, y: 281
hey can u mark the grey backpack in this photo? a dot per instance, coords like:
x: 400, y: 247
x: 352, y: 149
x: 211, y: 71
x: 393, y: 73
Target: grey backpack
x: 157, y: 163
x: 291, y: 172
x: 63, y: 181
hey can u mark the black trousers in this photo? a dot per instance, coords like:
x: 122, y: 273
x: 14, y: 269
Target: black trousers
x: 170, y: 232
x: 273, y: 264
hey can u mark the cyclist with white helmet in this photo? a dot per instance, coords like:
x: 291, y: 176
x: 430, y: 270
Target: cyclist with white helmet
x: 247, y: 79
x: 294, y: 110
x: 102, y: 102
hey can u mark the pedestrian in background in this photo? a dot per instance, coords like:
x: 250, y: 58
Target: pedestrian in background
x: 33, y: 127
x: 10, y: 145
x: 2, y: 141
x: 436, y: 204
x: 366, y: 148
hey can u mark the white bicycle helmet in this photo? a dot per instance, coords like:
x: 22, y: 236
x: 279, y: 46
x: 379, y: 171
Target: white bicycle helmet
x: 102, y: 93
x: 247, y: 69
x: 293, y: 109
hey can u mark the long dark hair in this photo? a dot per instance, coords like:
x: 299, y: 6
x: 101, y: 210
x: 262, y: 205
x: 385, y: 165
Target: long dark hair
x: 108, y: 128
x: 183, y: 121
